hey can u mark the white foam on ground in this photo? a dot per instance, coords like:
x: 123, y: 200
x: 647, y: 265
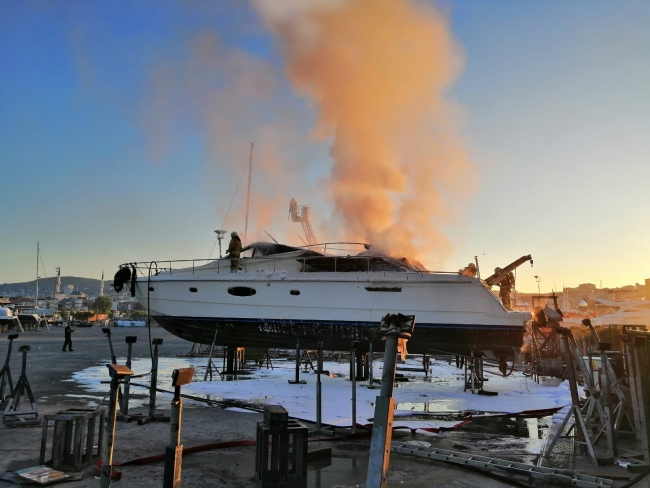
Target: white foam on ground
x: 442, y: 393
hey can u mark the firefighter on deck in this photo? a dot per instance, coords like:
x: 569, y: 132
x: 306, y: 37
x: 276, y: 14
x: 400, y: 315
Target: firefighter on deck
x: 505, y: 287
x: 234, y: 250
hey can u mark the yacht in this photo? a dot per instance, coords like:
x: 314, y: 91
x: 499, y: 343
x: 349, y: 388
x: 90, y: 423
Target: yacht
x: 282, y: 293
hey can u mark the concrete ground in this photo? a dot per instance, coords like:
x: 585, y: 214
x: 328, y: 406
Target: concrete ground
x: 49, y: 372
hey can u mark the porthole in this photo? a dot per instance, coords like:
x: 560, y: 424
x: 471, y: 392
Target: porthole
x: 242, y: 291
x: 151, y: 288
x: 295, y: 292
x: 193, y: 290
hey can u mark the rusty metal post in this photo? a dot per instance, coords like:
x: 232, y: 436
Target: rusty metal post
x: 117, y: 373
x: 393, y: 327
x: 174, y: 451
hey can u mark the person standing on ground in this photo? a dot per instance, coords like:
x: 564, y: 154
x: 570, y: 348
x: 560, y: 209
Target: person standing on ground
x: 68, y: 337
x: 234, y: 250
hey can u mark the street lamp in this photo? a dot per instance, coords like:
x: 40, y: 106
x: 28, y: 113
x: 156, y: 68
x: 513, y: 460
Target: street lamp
x: 538, y: 279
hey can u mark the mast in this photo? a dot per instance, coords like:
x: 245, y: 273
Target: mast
x: 57, y: 289
x: 248, y: 193
x: 38, y: 251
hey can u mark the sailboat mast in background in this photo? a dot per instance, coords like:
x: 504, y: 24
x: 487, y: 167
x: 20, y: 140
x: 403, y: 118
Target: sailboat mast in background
x: 38, y: 251
x: 248, y: 193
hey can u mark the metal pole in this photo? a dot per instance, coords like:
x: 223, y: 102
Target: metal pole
x: 174, y: 451
x: 109, y: 436
x: 37, y: 255
x: 154, y: 378
x: 208, y: 368
x: 297, y: 381
x: 394, y: 327
x: 473, y: 370
x: 353, y: 377
x: 370, y: 365
x: 125, y: 401
x: 248, y: 193
x: 319, y: 370
x: 5, y: 373
x: 607, y: 401
x: 117, y: 373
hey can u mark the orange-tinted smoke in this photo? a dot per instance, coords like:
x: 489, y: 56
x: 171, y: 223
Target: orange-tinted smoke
x: 377, y: 72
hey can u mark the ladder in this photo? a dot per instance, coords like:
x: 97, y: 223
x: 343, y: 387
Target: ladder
x: 557, y: 476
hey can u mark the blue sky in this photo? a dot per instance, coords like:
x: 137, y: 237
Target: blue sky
x: 108, y: 149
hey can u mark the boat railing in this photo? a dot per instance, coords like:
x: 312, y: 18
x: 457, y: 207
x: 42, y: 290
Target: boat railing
x: 252, y: 264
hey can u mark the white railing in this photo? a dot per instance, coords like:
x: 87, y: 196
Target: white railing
x: 154, y: 268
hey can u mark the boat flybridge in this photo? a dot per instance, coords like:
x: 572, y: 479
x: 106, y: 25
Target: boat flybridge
x: 282, y: 293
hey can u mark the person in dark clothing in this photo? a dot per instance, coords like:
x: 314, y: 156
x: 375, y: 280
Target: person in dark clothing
x: 234, y: 250
x: 505, y: 287
x: 68, y: 337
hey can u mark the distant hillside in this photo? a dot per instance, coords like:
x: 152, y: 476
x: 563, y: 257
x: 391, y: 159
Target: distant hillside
x: 89, y: 286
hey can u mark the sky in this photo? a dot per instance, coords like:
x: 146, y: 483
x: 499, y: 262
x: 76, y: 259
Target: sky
x: 125, y: 134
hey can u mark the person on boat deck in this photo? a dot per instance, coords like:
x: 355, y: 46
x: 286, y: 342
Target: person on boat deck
x: 68, y: 337
x: 505, y: 287
x: 234, y: 250
x: 469, y: 270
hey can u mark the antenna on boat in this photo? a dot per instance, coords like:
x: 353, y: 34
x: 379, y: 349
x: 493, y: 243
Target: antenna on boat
x: 220, y: 233
x: 248, y: 194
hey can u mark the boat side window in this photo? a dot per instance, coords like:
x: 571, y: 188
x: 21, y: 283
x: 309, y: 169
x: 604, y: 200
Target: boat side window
x: 295, y: 292
x: 193, y: 290
x: 242, y: 291
x: 151, y: 288
x: 396, y: 289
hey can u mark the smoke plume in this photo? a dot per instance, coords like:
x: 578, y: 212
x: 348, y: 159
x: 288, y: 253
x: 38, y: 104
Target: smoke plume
x: 377, y: 73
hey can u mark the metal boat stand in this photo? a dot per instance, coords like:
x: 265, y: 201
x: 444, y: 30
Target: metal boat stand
x: 297, y: 380
x: 118, y: 374
x: 124, y: 415
x: 474, y: 375
x: 18, y: 412
x: 597, y: 409
x: 393, y: 327
x: 210, y: 367
x: 638, y: 358
x: 174, y: 451
x: 353, y: 378
x: 580, y: 426
x: 233, y: 360
x: 120, y: 397
x: 5, y: 372
x: 153, y: 417
x: 319, y: 398
x: 623, y: 408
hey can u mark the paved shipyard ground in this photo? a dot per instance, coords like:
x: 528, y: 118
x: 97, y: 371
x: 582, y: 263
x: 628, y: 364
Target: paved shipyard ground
x: 50, y: 375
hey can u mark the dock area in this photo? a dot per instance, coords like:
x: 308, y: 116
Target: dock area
x: 433, y: 412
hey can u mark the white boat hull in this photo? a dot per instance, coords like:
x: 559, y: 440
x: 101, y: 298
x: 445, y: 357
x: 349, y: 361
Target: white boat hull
x: 454, y: 313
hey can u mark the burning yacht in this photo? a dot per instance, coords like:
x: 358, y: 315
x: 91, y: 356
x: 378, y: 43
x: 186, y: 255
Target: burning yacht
x: 282, y: 293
